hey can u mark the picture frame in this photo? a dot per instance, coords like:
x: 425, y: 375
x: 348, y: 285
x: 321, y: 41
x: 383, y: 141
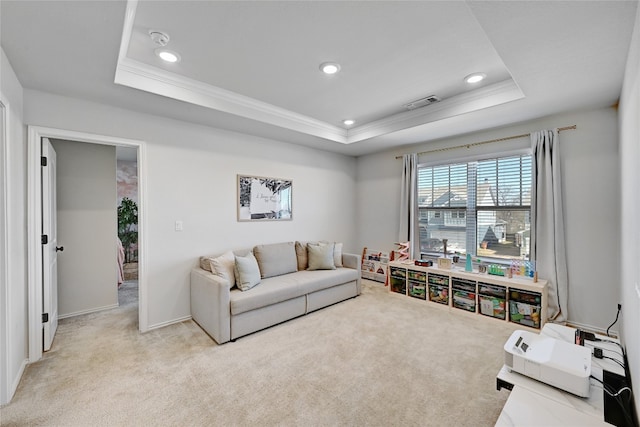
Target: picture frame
x: 264, y: 198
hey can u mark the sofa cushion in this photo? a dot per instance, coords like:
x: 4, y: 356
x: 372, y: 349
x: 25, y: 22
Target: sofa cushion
x: 337, y: 254
x: 205, y: 262
x: 303, y: 259
x: 271, y: 291
x: 321, y: 256
x: 301, y: 255
x: 224, y: 267
x: 316, y: 280
x: 247, y: 272
x: 277, y: 289
x: 276, y: 259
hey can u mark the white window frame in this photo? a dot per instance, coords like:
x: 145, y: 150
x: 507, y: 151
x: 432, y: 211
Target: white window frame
x: 472, y: 207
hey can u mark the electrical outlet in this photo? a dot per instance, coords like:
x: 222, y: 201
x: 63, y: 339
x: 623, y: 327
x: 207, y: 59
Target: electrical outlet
x: 178, y: 225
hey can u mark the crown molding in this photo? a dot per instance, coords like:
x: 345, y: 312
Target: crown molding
x: 127, y: 29
x: 138, y: 75
x: 142, y: 76
x: 485, y: 97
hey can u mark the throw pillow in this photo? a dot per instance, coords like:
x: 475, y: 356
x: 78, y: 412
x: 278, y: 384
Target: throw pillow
x: 247, y: 272
x: 224, y: 266
x: 276, y: 259
x: 205, y: 262
x: 337, y: 254
x: 321, y: 256
x: 301, y: 255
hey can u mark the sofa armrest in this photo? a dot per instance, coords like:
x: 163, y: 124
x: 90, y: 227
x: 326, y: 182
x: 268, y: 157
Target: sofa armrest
x: 353, y: 261
x: 210, y: 306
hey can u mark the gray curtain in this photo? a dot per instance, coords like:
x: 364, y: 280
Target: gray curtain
x: 547, y: 222
x: 409, y: 231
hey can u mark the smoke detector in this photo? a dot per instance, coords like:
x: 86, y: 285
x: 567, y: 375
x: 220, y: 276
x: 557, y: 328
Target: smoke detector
x: 422, y: 102
x: 159, y: 38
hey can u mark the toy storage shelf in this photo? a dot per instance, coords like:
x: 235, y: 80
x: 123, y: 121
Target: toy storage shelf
x: 518, y: 299
x: 374, y: 265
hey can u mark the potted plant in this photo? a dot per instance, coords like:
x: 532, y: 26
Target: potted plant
x: 128, y: 232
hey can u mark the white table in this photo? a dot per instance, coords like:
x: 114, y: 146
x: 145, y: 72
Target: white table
x: 525, y: 408
x: 534, y: 403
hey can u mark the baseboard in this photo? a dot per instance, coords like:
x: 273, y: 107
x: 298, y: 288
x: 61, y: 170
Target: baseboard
x: 16, y: 381
x: 589, y: 328
x: 92, y: 310
x: 168, y: 323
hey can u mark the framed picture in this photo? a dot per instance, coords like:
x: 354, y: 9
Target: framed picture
x: 264, y: 199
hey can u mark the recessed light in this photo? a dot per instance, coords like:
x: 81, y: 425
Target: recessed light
x: 348, y: 122
x: 329, y: 67
x: 167, y: 55
x: 475, y: 77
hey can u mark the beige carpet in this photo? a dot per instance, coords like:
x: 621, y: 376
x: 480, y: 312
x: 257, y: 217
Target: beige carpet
x: 379, y: 359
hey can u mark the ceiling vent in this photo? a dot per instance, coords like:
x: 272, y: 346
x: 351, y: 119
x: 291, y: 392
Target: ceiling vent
x: 422, y: 102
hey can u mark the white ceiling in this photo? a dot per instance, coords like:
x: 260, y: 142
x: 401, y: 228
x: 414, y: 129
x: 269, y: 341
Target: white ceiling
x: 253, y: 66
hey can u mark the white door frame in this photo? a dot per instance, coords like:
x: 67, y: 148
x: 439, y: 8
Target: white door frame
x: 6, y: 386
x: 34, y: 221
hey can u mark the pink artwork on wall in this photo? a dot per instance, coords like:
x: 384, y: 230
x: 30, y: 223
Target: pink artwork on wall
x: 127, y: 178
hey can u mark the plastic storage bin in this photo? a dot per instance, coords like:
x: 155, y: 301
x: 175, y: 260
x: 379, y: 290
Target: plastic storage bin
x: 492, y: 300
x: 464, y: 294
x: 397, y: 280
x: 438, y: 288
x: 417, y: 284
x: 524, y: 307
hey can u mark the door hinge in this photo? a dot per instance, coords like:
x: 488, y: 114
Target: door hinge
x: 45, y: 317
x: 43, y: 161
x: 45, y: 239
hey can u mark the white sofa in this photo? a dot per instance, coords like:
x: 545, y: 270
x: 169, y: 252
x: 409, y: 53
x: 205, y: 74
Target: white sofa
x: 287, y: 288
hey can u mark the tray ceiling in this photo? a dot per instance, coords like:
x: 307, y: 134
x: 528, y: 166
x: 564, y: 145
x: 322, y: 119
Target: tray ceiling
x: 260, y: 60
x: 252, y: 66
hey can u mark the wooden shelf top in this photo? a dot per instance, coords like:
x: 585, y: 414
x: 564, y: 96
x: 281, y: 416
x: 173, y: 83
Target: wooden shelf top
x: 524, y: 283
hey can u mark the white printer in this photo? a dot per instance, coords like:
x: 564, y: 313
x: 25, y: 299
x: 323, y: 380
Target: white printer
x: 558, y: 363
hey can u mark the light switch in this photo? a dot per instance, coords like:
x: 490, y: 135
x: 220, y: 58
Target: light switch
x: 178, y: 225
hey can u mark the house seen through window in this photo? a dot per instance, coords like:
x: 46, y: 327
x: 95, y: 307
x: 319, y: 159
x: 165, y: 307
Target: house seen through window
x: 482, y: 207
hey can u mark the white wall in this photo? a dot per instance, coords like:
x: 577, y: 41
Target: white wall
x: 630, y: 210
x: 13, y: 342
x: 191, y: 177
x: 590, y: 170
x: 4, y: 248
x: 87, y: 227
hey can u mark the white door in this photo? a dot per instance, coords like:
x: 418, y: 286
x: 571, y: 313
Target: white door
x: 50, y: 248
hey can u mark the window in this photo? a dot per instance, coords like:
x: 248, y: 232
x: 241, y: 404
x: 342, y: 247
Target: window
x: 482, y: 208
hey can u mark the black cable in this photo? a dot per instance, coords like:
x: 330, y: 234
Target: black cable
x: 613, y: 351
x: 612, y: 342
x: 615, y: 360
x: 588, y: 336
x: 614, y: 322
x: 604, y: 349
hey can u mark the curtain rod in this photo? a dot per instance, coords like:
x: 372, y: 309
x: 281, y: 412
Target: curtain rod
x: 473, y: 144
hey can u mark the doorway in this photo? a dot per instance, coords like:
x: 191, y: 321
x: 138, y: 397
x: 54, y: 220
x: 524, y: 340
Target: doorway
x: 127, y: 213
x: 34, y: 208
